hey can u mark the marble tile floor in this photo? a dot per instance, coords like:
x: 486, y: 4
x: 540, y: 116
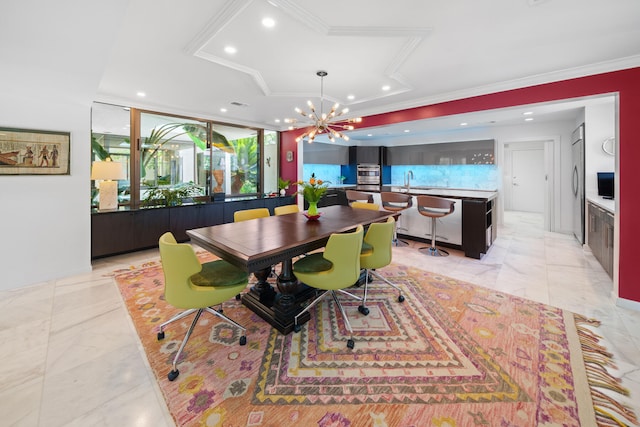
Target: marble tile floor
x: 71, y: 357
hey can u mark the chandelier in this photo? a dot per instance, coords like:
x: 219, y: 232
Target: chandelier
x: 325, y: 123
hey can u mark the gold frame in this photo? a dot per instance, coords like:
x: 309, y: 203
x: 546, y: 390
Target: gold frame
x: 34, y: 152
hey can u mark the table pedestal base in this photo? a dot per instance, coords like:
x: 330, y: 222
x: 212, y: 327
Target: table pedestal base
x: 281, y: 318
x: 280, y: 309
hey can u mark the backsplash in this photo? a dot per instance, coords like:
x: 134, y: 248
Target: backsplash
x: 471, y: 177
x: 323, y: 172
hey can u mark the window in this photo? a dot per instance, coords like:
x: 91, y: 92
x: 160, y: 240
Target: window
x: 192, y: 156
x: 110, y: 140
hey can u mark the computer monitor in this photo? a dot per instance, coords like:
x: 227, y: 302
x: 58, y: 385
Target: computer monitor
x: 606, y: 185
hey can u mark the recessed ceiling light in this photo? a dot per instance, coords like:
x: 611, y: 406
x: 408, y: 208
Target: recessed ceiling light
x: 277, y: 120
x: 406, y: 131
x: 369, y: 134
x: 464, y: 124
x: 223, y: 110
x: 351, y: 97
x: 230, y: 50
x: 527, y: 113
x: 528, y: 119
x: 141, y: 94
x: 268, y: 22
x: 290, y: 127
x: 386, y: 87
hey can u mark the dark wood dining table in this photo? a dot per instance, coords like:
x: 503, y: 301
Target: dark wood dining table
x: 258, y: 244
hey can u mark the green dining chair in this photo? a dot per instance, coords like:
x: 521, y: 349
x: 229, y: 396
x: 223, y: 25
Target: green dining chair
x: 196, y: 287
x: 363, y: 205
x: 286, y: 209
x: 248, y: 214
x: 337, y: 268
x: 376, y: 253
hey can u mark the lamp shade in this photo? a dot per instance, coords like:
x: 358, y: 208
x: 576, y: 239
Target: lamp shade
x: 107, y: 170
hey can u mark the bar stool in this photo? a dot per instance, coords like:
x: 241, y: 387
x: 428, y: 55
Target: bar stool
x: 396, y: 202
x: 359, y: 196
x: 434, y: 208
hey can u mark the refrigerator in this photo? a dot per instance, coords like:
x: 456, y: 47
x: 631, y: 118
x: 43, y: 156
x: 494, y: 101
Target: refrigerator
x: 577, y: 182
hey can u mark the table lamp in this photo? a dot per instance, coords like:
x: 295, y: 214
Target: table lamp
x: 109, y: 173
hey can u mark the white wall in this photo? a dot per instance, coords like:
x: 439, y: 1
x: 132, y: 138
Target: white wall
x: 600, y: 123
x: 45, y: 220
x: 48, y: 84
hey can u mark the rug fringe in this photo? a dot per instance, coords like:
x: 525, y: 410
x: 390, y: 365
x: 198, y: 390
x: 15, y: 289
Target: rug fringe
x: 609, y: 412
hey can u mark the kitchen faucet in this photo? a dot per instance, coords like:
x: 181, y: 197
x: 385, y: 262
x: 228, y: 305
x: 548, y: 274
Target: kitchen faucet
x: 408, y: 176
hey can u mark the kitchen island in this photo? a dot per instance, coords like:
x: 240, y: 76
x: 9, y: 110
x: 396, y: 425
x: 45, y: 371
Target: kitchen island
x: 471, y: 228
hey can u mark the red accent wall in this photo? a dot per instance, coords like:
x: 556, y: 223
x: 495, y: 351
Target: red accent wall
x: 625, y: 82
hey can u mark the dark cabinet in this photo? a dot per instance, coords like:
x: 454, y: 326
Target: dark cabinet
x: 448, y: 153
x: 325, y: 154
x: 111, y: 233
x: 125, y: 231
x: 406, y: 155
x: 479, y: 228
x: 331, y: 198
x: 118, y: 232
x: 366, y: 155
x: 183, y: 218
x: 149, y: 225
x: 600, y: 235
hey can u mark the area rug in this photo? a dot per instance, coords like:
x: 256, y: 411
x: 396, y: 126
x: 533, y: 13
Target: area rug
x: 452, y: 354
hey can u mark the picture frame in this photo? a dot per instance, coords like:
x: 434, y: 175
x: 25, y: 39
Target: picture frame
x: 34, y: 152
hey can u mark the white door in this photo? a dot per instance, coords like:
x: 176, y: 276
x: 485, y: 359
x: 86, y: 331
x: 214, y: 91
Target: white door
x: 527, y: 179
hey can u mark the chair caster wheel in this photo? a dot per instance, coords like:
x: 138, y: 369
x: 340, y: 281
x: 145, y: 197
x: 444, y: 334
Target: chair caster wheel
x: 243, y: 340
x: 351, y: 344
x: 401, y: 298
x: 296, y: 328
x: 160, y: 335
x: 364, y: 310
x: 238, y: 297
x: 173, y: 375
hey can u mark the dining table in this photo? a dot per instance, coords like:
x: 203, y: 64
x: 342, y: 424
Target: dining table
x: 259, y: 244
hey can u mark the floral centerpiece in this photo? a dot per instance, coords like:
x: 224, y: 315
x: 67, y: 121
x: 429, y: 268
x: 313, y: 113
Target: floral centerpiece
x: 312, y: 191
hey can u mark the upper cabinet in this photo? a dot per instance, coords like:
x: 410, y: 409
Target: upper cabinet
x: 325, y: 154
x: 449, y: 153
x: 367, y: 155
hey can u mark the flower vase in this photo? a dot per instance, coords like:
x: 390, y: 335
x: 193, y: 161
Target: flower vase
x: 312, y: 213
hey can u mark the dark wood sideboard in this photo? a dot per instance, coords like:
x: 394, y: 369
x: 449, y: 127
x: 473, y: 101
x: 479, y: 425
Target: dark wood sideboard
x: 128, y: 230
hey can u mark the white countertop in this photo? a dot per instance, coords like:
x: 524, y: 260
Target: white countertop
x: 450, y: 192
x: 609, y: 205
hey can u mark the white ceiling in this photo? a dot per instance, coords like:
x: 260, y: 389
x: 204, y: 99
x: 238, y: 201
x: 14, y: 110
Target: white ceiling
x: 426, y: 51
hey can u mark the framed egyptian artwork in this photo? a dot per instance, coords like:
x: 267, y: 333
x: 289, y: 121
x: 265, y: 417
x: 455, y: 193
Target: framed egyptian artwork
x: 34, y: 152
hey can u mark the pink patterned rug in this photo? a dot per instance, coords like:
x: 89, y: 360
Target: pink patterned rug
x: 453, y: 354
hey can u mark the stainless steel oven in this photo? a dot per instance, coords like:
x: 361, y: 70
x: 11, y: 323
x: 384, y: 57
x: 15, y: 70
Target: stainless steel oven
x: 368, y: 174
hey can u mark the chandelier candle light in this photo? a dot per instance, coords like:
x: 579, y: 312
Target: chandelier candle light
x: 326, y: 123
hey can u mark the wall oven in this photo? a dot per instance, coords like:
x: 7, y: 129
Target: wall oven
x: 368, y: 174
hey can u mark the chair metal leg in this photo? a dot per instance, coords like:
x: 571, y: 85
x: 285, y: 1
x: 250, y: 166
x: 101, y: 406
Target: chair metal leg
x: 350, y: 342
x: 296, y: 327
x: 173, y: 319
x: 243, y: 338
x: 384, y: 279
x: 174, y: 371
